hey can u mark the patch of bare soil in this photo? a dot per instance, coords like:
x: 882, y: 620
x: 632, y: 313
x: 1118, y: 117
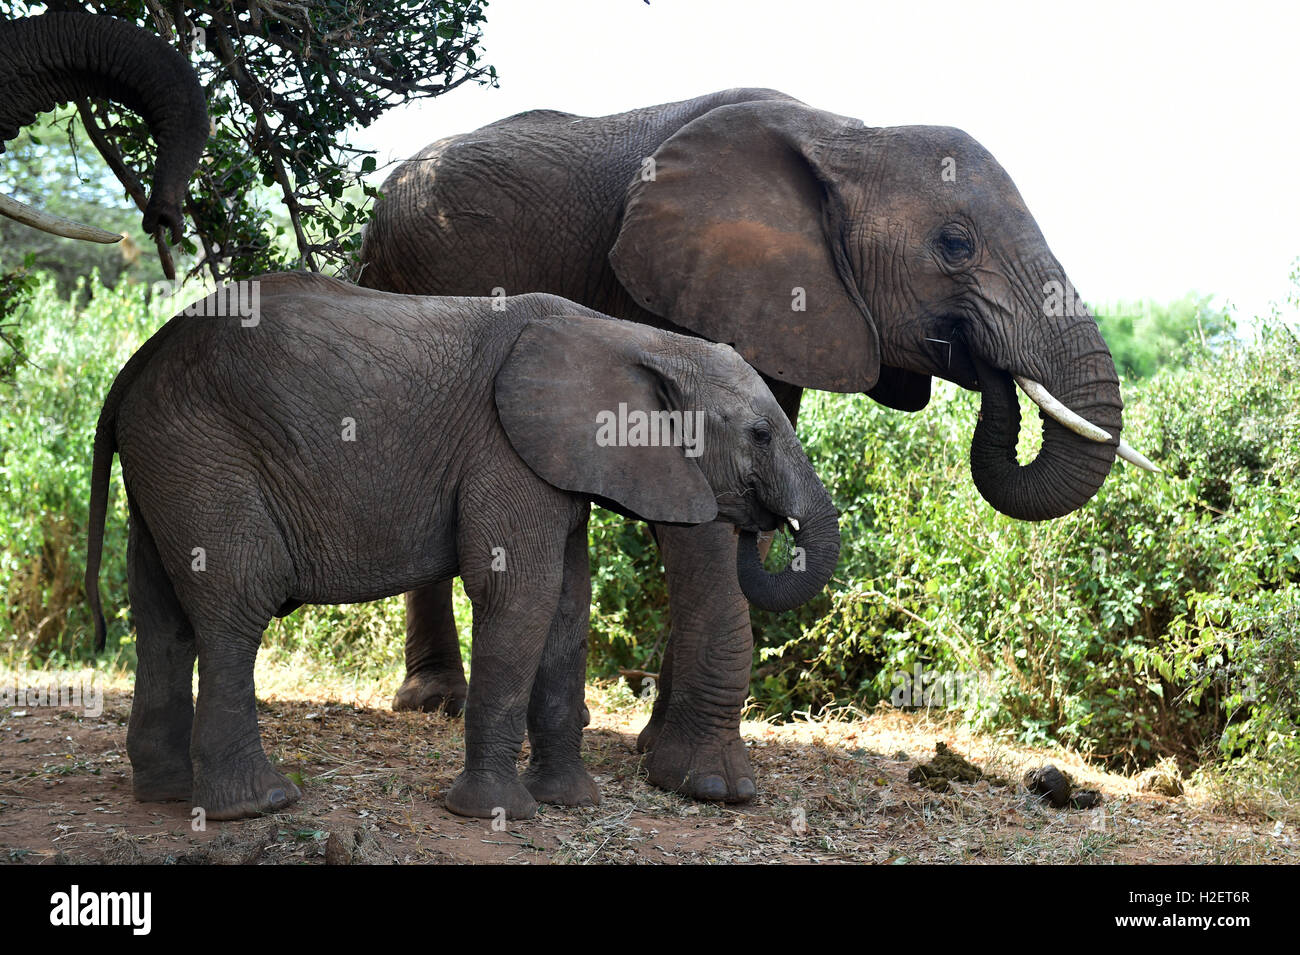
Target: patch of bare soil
x: 830, y: 791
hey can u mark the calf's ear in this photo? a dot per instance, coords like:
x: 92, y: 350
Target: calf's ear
x: 567, y: 393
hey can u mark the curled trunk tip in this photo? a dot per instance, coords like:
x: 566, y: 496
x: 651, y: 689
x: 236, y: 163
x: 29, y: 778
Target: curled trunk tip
x: 817, y: 543
x: 1071, y: 465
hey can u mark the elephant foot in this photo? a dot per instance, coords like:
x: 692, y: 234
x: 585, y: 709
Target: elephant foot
x: 158, y: 745
x: 645, y: 742
x: 569, y: 785
x: 171, y: 786
x: 484, y: 796
x: 240, y: 795
x: 712, y: 770
x: 431, y: 692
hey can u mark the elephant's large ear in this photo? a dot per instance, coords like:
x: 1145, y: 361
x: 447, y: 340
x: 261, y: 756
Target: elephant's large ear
x: 562, y: 392
x: 735, y: 231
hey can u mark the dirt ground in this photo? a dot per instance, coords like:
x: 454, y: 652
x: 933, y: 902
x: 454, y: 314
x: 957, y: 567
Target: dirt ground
x: 831, y: 791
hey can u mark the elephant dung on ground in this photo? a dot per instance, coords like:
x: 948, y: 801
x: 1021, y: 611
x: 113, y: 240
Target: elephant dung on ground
x: 349, y: 444
x: 831, y: 254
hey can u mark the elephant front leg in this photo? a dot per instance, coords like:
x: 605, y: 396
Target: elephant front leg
x: 693, y: 737
x: 693, y: 740
x: 511, y: 621
x: 435, y: 676
x: 556, y: 710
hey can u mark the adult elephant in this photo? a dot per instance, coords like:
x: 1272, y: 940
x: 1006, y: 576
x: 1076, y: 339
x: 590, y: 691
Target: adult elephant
x: 830, y: 254
x: 58, y: 57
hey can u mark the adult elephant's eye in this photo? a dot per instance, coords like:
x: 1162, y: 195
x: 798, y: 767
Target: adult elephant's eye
x: 761, y: 434
x: 955, y: 245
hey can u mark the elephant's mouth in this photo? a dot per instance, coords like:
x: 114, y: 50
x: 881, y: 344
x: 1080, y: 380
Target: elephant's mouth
x: 948, y: 352
x: 748, y: 512
x: 760, y: 518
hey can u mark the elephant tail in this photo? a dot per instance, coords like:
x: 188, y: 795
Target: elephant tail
x: 101, y: 468
x: 100, y: 471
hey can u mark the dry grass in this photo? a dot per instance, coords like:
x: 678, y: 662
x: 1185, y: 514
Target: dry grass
x: 42, y: 590
x: 830, y: 790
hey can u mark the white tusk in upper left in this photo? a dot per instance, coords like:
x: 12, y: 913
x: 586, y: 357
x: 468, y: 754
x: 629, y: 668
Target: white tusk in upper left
x: 794, y: 524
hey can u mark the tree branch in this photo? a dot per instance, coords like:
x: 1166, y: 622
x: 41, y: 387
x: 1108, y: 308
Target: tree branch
x: 134, y: 188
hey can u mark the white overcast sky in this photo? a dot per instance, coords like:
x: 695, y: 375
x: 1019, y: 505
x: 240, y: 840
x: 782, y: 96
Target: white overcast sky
x: 1157, y: 144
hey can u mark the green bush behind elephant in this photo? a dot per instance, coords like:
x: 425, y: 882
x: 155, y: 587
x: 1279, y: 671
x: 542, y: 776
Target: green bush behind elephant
x: 1095, y: 584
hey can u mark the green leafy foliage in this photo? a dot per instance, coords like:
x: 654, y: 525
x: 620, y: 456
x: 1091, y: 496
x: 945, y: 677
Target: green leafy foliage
x: 52, y: 403
x: 284, y: 82
x: 629, y: 595
x: 16, y: 287
x: 48, y: 166
x: 1144, y: 336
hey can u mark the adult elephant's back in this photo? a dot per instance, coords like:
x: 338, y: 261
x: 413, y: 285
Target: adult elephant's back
x: 531, y: 203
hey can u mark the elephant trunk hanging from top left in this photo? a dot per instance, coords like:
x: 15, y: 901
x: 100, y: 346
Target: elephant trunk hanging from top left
x: 58, y: 57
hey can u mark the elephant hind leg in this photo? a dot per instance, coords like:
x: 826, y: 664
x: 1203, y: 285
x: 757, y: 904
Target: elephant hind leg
x: 248, y: 574
x: 232, y: 776
x: 162, y: 709
x: 435, y: 675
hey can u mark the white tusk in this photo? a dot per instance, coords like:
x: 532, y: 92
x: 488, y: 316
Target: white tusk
x: 1079, y: 424
x: 56, y: 225
x: 1059, y: 412
x: 1134, y: 457
x: 794, y: 524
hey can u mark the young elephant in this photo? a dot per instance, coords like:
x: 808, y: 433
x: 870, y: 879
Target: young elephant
x: 337, y: 444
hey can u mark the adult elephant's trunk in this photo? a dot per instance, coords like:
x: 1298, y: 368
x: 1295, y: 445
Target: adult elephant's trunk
x: 817, y: 549
x: 58, y: 57
x: 1072, y: 464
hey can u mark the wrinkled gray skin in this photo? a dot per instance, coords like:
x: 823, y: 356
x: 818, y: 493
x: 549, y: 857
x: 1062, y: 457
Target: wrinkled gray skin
x: 474, y: 451
x: 708, y: 216
x: 59, y: 57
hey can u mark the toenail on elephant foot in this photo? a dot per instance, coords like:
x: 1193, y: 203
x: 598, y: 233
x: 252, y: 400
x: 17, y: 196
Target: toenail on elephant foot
x: 484, y: 796
x: 712, y: 773
x: 260, y: 791
x: 563, y: 786
x: 431, y: 693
